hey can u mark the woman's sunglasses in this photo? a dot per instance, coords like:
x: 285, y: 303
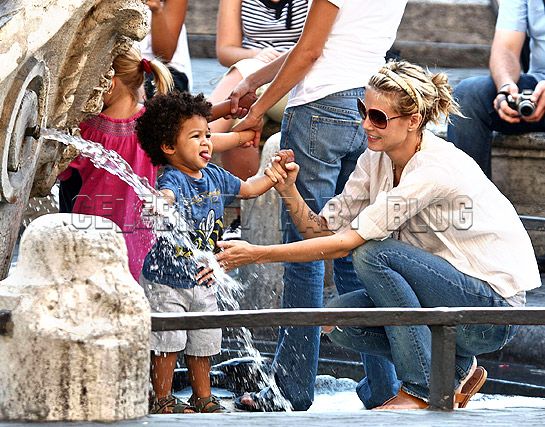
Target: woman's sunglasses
x: 378, y: 118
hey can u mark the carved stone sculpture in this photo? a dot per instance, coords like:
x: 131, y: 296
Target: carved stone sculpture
x: 79, y: 348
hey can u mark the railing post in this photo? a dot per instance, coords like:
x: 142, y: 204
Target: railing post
x: 6, y: 325
x: 443, y: 359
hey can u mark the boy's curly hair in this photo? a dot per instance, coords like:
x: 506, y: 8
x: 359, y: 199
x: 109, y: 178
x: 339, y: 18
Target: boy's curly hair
x: 164, y: 116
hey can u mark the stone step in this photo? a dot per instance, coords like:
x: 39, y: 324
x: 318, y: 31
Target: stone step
x: 448, y: 21
x: 447, y: 33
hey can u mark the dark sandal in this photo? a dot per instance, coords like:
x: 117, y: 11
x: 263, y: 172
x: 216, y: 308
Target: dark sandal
x: 261, y: 404
x: 170, y: 405
x: 207, y: 405
x: 256, y: 407
x: 471, y: 387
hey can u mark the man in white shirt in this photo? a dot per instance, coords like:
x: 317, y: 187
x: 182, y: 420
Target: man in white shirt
x: 343, y: 43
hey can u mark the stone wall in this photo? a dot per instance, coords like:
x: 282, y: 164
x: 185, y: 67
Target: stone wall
x: 518, y: 166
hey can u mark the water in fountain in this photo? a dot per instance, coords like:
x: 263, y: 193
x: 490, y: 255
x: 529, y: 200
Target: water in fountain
x: 228, y: 290
x: 229, y: 296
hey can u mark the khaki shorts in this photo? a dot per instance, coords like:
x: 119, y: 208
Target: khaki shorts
x: 166, y: 299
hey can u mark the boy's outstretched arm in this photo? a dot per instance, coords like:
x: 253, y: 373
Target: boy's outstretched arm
x: 257, y: 185
x: 226, y: 141
x: 223, y: 108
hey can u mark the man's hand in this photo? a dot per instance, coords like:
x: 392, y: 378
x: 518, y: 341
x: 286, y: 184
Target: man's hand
x: 242, y: 89
x: 251, y: 122
x: 505, y: 112
x: 243, y: 107
x: 247, y: 139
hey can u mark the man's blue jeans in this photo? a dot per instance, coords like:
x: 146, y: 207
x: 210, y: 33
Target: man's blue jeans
x: 396, y: 274
x: 473, y: 134
x: 327, y: 139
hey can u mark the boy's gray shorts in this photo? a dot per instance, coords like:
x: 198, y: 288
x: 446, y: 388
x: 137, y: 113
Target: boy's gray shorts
x: 165, y: 299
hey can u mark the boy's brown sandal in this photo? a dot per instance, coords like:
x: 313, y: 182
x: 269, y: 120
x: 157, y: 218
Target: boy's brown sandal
x: 207, y: 405
x: 171, y: 405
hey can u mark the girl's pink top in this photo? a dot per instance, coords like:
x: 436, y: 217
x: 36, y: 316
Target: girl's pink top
x: 103, y: 194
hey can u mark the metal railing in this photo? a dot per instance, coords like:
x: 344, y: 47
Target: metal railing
x: 442, y: 322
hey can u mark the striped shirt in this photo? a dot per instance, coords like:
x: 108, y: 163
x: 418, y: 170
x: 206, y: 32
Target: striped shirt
x: 269, y: 24
x: 445, y: 205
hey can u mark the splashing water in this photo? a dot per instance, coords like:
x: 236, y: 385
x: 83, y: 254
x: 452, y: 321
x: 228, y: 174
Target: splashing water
x: 229, y: 291
x: 113, y: 163
x: 230, y: 295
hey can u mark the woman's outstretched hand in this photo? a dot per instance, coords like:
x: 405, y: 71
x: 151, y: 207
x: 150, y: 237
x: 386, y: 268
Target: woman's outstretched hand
x: 236, y: 253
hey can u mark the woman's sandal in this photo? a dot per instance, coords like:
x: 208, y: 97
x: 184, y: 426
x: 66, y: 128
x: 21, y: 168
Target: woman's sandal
x: 207, y: 405
x: 402, y: 401
x: 471, y: 387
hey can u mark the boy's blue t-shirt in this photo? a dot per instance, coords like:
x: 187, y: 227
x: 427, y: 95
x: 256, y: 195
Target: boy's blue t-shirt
x: 202, y: 202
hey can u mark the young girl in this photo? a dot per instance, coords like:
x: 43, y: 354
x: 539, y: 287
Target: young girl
x: 106, y: 195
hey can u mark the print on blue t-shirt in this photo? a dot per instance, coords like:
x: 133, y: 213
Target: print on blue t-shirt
x: 202, y: 201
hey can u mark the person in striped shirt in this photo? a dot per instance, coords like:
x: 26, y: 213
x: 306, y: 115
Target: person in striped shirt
x: 250, y: 34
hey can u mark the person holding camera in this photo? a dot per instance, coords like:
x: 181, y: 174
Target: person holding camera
x: 508, y: 101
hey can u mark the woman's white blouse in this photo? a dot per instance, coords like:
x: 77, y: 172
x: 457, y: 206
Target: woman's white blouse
x: 444, y: 204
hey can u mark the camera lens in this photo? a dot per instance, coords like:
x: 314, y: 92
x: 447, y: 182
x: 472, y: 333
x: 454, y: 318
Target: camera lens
x: 526, y: 108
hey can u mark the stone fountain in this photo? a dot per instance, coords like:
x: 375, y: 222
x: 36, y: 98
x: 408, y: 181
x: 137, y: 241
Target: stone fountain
x: 55, y: 59
x: 77, y: 344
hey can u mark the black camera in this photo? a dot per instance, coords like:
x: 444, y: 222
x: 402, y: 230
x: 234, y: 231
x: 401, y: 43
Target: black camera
x: 522, y: 103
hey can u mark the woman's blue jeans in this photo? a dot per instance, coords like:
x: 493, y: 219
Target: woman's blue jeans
x: 396, y: 274
x: 327, y: 138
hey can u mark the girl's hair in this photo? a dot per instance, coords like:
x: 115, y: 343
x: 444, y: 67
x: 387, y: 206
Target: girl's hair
x: 129, y: 68
x: 416, y: 91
